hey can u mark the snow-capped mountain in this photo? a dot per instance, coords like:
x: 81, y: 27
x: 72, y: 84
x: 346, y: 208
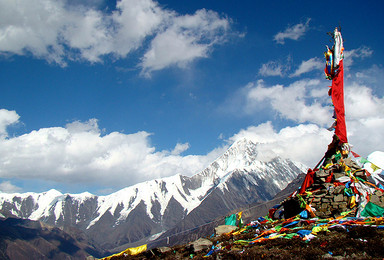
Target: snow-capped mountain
x: 138, y: 212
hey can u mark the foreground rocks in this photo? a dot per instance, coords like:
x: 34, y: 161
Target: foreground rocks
x: 223, y: 229
x: 350, y: 241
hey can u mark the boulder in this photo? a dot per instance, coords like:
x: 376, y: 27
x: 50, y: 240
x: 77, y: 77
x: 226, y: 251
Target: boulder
x: 164, y: 249
x: 220, y: 230
x: 201, y: 244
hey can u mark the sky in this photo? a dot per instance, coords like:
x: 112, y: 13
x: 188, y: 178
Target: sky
x: 99, y: 95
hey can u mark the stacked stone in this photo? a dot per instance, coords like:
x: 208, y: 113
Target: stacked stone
x: 378, y: 198
x: 328, y: 197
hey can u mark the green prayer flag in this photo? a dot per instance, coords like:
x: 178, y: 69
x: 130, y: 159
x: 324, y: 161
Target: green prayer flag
x: 231, y: 220
x: 372, y: 210
x: 290, y: 236
x: 363, y: 160
x: 278, y: 228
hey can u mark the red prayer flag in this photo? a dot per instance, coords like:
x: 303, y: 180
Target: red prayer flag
x: 308, y: 181
x: 338, y: 103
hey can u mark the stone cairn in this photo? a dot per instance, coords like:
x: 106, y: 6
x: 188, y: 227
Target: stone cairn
x: 329, y: 199
x: 329, y: 195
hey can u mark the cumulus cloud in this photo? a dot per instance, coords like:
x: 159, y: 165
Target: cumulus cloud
x: 180, y: 148
x: 294, y: 32
x: 372, y: 76
x: 8, y: 187
x: 364, y: 118
x: 62, y: 31
x: 7, y: 118
x: 294, y: 102
x: 304, y: 143
x: 189, y: 37
x: 78, y: 153
x: 307, y: 143
x: 307, y: 101
x: 308, y: 65
x: 362, y: 103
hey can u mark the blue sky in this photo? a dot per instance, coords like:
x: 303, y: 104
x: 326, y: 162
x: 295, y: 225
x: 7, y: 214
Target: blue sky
x: 99, y: 95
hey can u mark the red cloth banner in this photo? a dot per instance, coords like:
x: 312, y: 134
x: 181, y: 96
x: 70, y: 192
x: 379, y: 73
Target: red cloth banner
x: 338, y: 102
x: 308, y: 181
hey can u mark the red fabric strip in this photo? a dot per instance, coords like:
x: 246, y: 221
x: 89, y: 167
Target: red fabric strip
x: 338, y: 102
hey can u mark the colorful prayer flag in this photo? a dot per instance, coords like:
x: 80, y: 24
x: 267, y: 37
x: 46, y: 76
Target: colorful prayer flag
x: 374, y: 167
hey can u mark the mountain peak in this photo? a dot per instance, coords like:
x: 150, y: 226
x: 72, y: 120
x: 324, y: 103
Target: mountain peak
x: 139, y: 211
x: 53, y: 193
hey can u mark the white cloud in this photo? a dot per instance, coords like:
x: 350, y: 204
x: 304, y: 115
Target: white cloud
x: 78, y: 153
x: 364, y: 118
x: 276, y: 67
x: 294, y: 102
x: 32, y: 26
x: 307, y: 143
x: 294, y: 32
x: 372, y: 76
x: 86, y: 32
x: 180, y: 148
x: 168, y: 48
x: 60, y: 31
x: 7, y: 118
x: 359, y: 53
x: 136, y: 20
x: 271, y: 68
x: 189, y: 37
x: 8, y: 187
x: 302, y: 143
x: 361, y: 103
x: 78, y: 127
x: 303, y: 101
x: 309, y: 65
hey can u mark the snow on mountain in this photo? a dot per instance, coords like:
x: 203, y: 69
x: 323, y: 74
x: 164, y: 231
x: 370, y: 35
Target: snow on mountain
x: 163, y: 202
x: 242, y: 156
x: 160, y: 191
x: 36, y: 206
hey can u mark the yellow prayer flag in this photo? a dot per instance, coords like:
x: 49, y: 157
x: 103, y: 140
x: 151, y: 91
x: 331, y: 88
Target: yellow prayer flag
x: 318, y: 229
x: 352, y: 202
x: 129, y: 251
x: 136, y: 250
x: 374, y: 167
x: 347, y: 169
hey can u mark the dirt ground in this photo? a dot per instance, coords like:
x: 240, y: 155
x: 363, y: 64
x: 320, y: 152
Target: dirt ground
x: 354, y: 242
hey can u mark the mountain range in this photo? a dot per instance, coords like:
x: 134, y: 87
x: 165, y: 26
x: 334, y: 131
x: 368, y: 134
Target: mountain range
x: 146, y: 211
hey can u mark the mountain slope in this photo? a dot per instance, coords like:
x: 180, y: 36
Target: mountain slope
x: 134, y: 214
x: 27, y: 239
